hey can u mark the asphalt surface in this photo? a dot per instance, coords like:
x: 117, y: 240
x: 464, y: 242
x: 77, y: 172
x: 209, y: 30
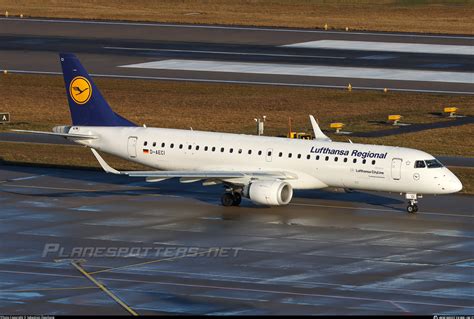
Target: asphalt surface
x: 326, y: 253
x: 31, y: 46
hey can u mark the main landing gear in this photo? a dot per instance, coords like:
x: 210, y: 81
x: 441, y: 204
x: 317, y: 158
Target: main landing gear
x: 412, y: 201
x: 231, y: 197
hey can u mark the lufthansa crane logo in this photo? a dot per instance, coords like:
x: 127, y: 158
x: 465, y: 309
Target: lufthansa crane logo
x: 80, y: 90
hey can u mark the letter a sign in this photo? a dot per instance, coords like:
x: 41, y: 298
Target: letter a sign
x: 4, y: 117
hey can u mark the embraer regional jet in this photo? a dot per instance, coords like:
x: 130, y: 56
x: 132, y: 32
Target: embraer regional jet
x: 263, y: 169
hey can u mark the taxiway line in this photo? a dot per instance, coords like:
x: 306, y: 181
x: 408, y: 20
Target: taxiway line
x: 290, y: 293
x: 252, y: 290
x: 49, y: 289
x: 152, y: 261
x: 104, y: 289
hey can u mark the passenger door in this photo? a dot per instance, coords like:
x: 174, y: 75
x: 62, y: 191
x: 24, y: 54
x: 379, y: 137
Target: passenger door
x: 132, y: 146
x: 396, y: 168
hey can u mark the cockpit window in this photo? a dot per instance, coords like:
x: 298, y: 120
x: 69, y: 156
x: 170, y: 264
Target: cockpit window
x: 433, y: 163
x: 420, y: 164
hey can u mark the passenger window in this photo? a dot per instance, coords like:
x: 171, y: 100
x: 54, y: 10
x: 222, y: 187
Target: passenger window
x: 373, y: 162
x: 335, y: 159
x: 308, y: 156
x: 259, y: 152
x: 180, y: 146
x: 354, y: 160
x: 420, y: 164
x: 317, y: 157
x: 240, y: 151
x: 213, y: 148
x: 190, y: 147
x: 231, y: 150
x: 327, y: 158
x: 162, y: 144
x: 172, y: 145
x: 206, y: 148
x: 289, y: 155
x: 299, y: 155
x: 222, y: 149
x: 197, y: 147
x: 280, y: 154
x: 345, y: 159
x: 145, y: 143
x: 364, y: 161
x: 250, y: 152
x: 269, y: 153
x: 154, y: 143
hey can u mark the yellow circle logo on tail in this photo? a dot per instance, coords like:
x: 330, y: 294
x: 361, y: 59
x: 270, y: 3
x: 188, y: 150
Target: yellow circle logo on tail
x: 80, y: 90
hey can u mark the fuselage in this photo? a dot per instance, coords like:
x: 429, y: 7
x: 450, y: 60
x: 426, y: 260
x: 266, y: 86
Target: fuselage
x: 315, y: 164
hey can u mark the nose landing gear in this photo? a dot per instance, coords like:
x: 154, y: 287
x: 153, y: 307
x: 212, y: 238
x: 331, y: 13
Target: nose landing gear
x: 412, y: 202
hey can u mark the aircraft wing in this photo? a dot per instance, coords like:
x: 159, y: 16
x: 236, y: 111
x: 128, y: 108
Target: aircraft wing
x: 193, y: 176
x: 74, y: 136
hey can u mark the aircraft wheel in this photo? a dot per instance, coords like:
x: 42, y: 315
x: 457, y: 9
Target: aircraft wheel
x: 237, y: 199
x: 227, y: 199
x: 412, y: 208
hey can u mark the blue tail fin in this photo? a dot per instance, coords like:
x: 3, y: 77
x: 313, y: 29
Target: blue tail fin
x: 87, y: 106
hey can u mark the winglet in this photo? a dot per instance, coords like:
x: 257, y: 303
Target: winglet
x: 318, y: 134
x: 104, y: 164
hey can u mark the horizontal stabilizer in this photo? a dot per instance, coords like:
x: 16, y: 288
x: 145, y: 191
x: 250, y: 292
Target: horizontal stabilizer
x: 67, y: 135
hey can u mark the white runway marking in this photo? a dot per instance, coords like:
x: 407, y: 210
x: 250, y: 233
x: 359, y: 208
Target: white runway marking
x: 307, y: 70
x: 204, y: 80
x: 385, y: 46
x: 228, y: 53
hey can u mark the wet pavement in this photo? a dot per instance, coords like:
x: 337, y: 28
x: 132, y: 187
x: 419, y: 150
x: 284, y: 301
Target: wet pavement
x: 326, y: 253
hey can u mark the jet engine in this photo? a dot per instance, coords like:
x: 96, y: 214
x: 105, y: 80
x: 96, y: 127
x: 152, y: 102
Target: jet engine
x: 273, y: 193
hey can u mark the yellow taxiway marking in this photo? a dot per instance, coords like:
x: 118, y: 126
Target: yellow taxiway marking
x: 152, y: 261
x: 104, y: 289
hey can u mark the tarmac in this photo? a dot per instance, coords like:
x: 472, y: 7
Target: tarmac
x: 326, y: 253
x: 242, y: 55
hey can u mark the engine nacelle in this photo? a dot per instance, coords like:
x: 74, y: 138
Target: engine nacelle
x: 274, y: 193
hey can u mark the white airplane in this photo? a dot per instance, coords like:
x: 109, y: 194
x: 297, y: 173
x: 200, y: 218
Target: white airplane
x: 263, y: 169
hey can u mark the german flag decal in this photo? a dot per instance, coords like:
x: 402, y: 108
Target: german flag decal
x: 146, y: 151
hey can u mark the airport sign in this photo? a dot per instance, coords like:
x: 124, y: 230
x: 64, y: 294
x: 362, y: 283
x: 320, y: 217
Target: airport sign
x: 4, y: 117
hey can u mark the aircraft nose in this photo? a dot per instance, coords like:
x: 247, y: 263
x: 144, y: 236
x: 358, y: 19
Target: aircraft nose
x: 455, y: 185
